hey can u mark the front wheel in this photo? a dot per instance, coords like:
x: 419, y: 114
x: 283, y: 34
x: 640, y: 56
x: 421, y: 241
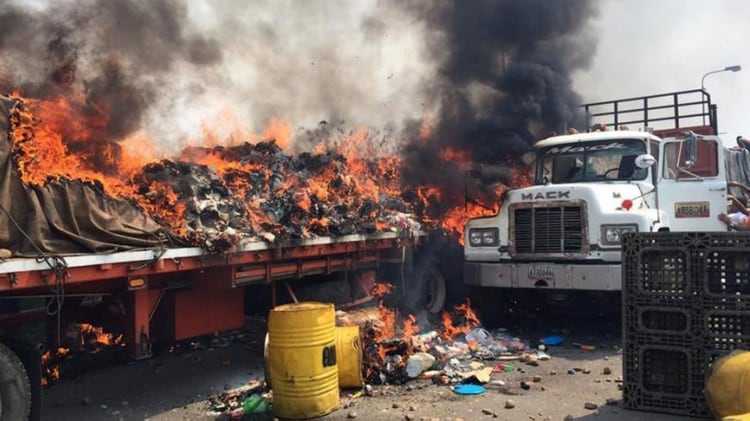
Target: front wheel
x: 15, y: 390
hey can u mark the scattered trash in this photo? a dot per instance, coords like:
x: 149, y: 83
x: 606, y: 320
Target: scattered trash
x: 584, y: 347
x: 418, y: 363
x: 501, y: 367
x: 552, y: 340
x: 468, y: 389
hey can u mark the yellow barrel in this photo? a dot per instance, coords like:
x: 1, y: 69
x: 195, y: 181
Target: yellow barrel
x: 349, y: 356
x: 728, y: 385
x: 302, y: 360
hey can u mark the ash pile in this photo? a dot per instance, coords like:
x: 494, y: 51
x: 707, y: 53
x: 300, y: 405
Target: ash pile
x: 258, y: 192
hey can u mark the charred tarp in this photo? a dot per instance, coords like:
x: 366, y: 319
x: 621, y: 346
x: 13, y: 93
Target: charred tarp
x: 65, y: 216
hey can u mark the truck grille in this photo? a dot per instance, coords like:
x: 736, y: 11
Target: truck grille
x: 548, y: 230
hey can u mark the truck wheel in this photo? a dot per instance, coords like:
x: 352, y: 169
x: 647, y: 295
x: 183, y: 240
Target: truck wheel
x: 15, y: 391
x: 436, y: 292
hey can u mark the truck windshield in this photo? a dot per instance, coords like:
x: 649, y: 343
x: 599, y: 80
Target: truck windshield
x: 591, y: 161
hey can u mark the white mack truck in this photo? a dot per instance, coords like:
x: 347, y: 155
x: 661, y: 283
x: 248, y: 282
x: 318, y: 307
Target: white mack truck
x: 563, y: 233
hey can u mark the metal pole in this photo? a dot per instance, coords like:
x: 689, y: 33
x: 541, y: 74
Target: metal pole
x: 735, y: 68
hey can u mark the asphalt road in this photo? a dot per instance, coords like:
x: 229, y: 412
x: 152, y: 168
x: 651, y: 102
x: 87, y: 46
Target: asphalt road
x: 176, y: 387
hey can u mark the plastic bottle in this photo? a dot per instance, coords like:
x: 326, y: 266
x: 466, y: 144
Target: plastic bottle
x: 481, y: 336
x: 251, y: 404
x: 418, y: 363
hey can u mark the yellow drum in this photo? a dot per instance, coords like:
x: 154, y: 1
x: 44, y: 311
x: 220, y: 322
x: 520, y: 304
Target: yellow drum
x: 301, y: 360
x: 728, y: 386
x: 349, y: 356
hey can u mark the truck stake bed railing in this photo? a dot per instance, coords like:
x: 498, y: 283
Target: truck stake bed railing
x: 669, y: 113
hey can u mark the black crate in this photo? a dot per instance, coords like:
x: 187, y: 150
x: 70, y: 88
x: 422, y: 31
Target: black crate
x: 731, y: 303
x: 665, y: 379
x: 727, y: 330
x: 692, y: 406
x: 727, y: 273
x: 686, y: 303
x: 659, y: 272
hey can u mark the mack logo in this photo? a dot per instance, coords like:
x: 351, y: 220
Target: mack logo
x: 577, y: 148
x: 546, y: 195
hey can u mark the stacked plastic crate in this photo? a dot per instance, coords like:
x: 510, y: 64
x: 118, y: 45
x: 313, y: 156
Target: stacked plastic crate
x: 686, y: 302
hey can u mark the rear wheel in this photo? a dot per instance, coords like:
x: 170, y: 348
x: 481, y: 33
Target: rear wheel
x: 436, y: 292
x: 15, y: 391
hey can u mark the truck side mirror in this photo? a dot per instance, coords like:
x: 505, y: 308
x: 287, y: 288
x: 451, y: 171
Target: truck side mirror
x: 529, y: 158
x: 691, y: 148
x: 645, y: 161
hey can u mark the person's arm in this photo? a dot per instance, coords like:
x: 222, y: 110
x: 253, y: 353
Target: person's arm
x: 739, y: 227
x: 740, y: 185
x: 739, y: 205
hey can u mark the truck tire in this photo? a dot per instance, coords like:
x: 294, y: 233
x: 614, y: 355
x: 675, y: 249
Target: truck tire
x: 436, y: 292
x: 15, y: 390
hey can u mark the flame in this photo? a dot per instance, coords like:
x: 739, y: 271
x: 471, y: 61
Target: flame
x: 279, y: 131
x: 96, y: 335
x: 66, y: 137
x: 51, y: 366
x: 381, y: 289
x: 469, y: 321
x: 410, y: 327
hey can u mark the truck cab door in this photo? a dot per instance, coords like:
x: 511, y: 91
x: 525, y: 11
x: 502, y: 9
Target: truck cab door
x: 692, y: 191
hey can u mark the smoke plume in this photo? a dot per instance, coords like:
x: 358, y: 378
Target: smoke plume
x: 503, y: 80
x: 485, y: 77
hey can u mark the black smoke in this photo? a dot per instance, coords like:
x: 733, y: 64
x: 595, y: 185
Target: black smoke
x: 114, y: 56
x: 503, y: 81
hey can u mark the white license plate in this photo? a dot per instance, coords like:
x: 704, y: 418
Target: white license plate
x: 541, y: 272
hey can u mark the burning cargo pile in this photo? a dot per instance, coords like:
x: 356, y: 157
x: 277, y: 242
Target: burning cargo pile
x: 258, y: 191
x: 214, y: 198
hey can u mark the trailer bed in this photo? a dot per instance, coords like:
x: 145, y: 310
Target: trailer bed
x: 253, y: 261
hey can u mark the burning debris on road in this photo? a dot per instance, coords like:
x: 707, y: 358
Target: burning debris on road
x: 449, y: 353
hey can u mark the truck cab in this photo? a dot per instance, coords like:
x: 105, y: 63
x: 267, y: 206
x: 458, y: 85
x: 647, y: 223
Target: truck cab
x: 564, y: 232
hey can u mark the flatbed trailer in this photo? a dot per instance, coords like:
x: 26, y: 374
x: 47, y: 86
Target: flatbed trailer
x: 173, y: 294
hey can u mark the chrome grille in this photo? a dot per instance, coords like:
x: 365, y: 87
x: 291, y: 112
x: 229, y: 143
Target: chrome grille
x: 548, y: 230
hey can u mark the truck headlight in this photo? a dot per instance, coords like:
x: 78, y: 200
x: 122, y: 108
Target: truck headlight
x: 612, y: 234
x: 484, y: 237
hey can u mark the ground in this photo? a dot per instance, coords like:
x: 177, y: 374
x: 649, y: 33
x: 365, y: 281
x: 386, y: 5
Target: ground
x: 176, y: 387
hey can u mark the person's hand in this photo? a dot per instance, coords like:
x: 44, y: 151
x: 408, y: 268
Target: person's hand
x: 724, y: 218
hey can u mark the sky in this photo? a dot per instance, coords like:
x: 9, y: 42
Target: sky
x: 657, y: 46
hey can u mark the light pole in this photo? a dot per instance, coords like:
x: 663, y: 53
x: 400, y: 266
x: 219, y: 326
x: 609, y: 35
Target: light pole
x: 735, y: 68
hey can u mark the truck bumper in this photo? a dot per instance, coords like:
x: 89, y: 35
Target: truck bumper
x: 600, y: 277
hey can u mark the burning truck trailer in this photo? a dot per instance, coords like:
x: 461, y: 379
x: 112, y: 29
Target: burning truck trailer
x: 92, y: 262
x: 557, y: 244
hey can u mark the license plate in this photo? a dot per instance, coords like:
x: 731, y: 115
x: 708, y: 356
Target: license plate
x: 541, y: 272
x: 692, y: 210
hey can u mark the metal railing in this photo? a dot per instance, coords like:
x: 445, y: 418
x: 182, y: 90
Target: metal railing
x: 674, y: 110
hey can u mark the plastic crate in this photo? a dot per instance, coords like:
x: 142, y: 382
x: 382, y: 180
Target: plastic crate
x: 727, y: 273
x: 727, y: 330
x: 686, y: 303
x: 666, y: 379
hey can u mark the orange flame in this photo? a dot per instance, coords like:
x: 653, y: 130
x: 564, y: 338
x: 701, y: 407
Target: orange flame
x: 50, y: 366
x: 381, y: 289
x: 469, y: 321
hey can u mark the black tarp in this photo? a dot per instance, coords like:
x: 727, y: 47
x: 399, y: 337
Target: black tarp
x: 65, y: 216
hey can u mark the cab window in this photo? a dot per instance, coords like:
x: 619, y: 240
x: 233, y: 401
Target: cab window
x: 706, y: 164
x: 591, y: 161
